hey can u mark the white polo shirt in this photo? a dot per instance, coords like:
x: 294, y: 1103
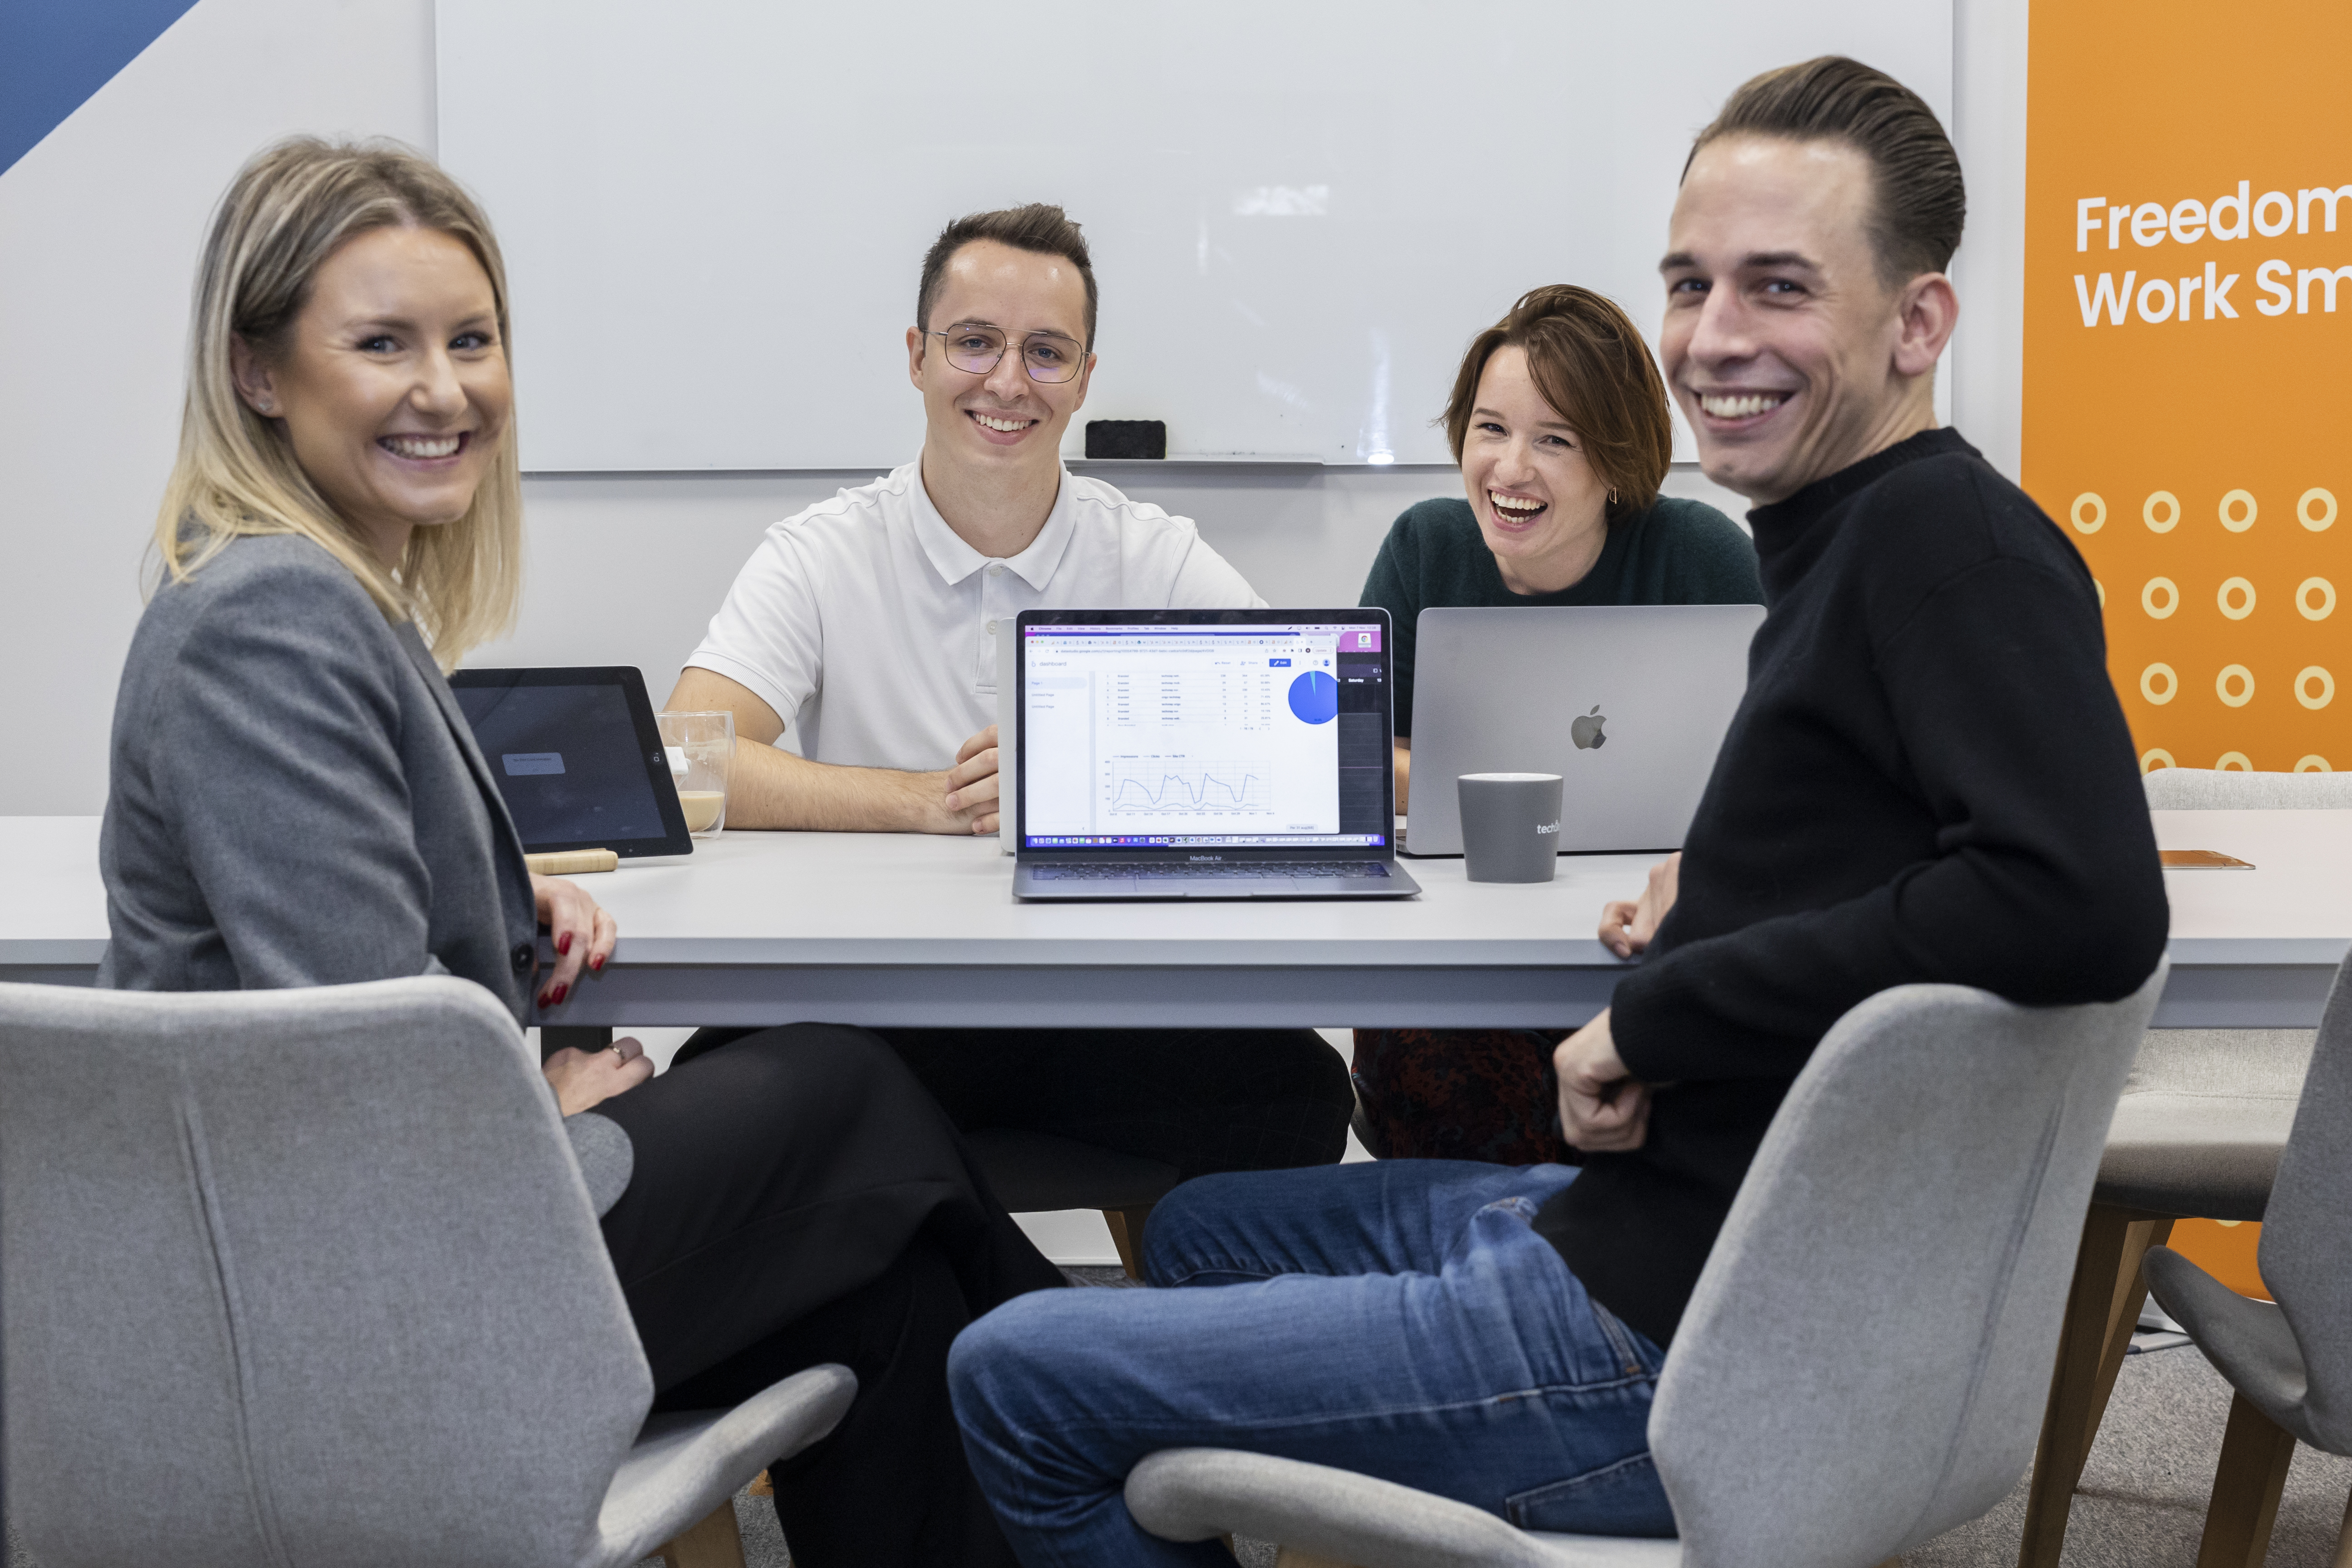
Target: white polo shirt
x: 869, y: 622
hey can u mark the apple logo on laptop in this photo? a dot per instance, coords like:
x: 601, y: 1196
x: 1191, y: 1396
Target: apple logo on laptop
x: 1586, y: 732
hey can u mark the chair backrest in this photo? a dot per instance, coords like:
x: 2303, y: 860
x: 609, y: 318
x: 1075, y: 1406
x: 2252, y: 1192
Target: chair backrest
x: 2306, y: 1246
x: 299, y: 1277
x: 1866, y: 1359
x: 2207, y: 789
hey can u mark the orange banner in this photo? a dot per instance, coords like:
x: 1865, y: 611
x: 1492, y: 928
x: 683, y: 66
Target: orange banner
x: 2188, y: 417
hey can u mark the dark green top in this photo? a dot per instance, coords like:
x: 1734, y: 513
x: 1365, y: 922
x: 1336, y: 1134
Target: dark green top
x: 1677, y: 552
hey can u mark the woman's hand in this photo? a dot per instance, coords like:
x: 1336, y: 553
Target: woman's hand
x: 585, y: 1079
x: 1626, y: 928
x: 582, y: 933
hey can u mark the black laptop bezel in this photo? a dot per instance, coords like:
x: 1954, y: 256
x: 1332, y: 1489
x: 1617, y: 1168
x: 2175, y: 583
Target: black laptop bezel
x: 631, y: 682
x: 1234, y: 854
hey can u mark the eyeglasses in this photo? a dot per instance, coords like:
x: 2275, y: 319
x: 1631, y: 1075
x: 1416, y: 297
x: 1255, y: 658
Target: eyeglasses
x: 1048, y: 357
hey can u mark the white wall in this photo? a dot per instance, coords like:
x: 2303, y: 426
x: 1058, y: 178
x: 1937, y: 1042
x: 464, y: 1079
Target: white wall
x: 99, y: 231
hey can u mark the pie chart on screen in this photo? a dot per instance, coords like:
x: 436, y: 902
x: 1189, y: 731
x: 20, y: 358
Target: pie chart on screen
x: 1314, y: 698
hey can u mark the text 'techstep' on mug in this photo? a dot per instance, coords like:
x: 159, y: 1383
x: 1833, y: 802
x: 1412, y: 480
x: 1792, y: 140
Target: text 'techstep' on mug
x: 1511, y: 826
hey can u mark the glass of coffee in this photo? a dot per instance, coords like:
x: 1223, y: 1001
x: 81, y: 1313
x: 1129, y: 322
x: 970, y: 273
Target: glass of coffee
x: 701, y: 748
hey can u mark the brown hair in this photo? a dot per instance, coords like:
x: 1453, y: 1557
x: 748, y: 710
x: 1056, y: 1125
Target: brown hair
x: 289, y: 209
x: 1039, y: 227
x: 1590, y: 363
x: 1921, y: 203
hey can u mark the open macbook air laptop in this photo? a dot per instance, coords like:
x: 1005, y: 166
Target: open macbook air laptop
x: 1204, y: 755
x: 1627, y: 703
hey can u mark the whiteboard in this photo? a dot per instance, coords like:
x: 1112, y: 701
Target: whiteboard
x: 714, y: 211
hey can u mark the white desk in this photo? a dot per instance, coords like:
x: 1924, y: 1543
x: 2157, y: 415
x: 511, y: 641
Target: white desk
x: 762, y: 928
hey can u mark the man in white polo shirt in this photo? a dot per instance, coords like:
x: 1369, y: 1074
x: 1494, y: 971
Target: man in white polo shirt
x: 871, y: 620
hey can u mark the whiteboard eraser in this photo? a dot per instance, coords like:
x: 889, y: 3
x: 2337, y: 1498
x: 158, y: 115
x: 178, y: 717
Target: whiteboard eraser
x: 1127, y: 438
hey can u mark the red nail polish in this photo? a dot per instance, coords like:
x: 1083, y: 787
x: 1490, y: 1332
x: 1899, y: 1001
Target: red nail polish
x: 542, y: 999
x: 563, y: 944
x: 597, y: 964
x: 557, y: 999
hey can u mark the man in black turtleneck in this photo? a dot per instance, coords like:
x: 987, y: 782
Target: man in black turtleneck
x: 1929, y: 779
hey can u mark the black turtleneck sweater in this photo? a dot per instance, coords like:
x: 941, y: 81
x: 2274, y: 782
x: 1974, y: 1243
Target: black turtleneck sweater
x: 1929, y: 779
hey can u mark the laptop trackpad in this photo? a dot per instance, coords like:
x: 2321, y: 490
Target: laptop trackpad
x: 1260, y: 888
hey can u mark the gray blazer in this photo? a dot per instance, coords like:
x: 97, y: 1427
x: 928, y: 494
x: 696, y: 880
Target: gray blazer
x: 297, y: 800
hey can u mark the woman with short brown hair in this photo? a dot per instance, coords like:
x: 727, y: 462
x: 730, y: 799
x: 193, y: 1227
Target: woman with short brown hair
x: 1558, y: 420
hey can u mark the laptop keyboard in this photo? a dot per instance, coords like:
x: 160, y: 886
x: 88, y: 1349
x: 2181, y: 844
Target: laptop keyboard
x: 1336, y: 869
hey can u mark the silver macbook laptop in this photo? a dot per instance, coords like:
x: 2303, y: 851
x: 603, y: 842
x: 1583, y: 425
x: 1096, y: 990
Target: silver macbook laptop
x: 1204, y: 755
x: 1627, y: 703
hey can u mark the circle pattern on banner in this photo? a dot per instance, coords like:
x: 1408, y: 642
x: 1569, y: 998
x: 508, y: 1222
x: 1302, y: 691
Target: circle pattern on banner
x: 2170, y: 502
x: 2236, y: 499
x: 2234, y: 763
x: 2236, y: 585
x: 2155, y: 757
x: 2303, y: 678
x: 2312, y: 764
x: 2302, y: 598
x: 2236, y: 673
x: 2098, y: 510
x: 2327, y: 500
x: 2150, y: 676
x: 2165, y: 586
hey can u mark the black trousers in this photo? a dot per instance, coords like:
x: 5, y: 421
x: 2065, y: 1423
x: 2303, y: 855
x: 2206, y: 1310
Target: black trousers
x: 1202, y: 1100
x: 797, y: 1198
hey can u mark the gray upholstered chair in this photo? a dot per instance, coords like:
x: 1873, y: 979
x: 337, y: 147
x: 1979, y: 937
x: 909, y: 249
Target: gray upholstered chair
x: 311, y: 1275
x: 2197, y: 1134
x: 1037, y: 1173
x: 1861, y: 1366
x: 2290, y: 1364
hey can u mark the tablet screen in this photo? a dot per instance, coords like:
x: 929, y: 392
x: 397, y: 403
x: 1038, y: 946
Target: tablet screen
x: 577, y: 768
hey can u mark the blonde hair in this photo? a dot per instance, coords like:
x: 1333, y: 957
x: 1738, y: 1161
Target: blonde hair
x: 290, y: 208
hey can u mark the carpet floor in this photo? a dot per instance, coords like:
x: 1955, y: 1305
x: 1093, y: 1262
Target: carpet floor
x: 2142, y: 1502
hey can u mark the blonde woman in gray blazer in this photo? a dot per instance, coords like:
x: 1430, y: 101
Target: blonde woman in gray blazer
x: 298, y: 801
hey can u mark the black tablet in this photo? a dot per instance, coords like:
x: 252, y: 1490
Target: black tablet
x: 578, y: 757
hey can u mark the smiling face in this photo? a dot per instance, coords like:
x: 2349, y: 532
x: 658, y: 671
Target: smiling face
x: 392, y: 385
x: 1541, y: 508
x: 981, y: 422
x: 1789, y: 354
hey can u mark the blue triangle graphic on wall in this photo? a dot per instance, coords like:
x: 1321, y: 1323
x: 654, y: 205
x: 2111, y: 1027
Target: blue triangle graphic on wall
x: 54, y: 53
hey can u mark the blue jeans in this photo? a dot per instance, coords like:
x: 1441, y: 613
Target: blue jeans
x: 1398, y: 1318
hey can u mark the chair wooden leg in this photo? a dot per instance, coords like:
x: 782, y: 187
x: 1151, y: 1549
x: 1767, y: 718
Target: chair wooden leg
x: 2101, y: 1305
x: 1291, y: 1557
x: 716, y: 1543
x: 2255, y: 1453
x: 1126, y: 1235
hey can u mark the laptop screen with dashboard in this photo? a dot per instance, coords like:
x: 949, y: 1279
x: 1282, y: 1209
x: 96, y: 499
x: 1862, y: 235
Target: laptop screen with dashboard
x: 1253, y: 730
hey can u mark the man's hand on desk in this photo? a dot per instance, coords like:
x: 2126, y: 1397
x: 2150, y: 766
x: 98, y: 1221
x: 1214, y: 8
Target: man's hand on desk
x: 973, y: 786
x: 1603, y: 1111
x: 771, y: 788
x: 1626, y: 928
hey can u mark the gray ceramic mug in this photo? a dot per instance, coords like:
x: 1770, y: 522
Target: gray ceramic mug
x: 1511, y: 826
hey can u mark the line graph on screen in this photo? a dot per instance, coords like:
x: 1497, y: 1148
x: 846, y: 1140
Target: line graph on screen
x: 1164, y: 788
